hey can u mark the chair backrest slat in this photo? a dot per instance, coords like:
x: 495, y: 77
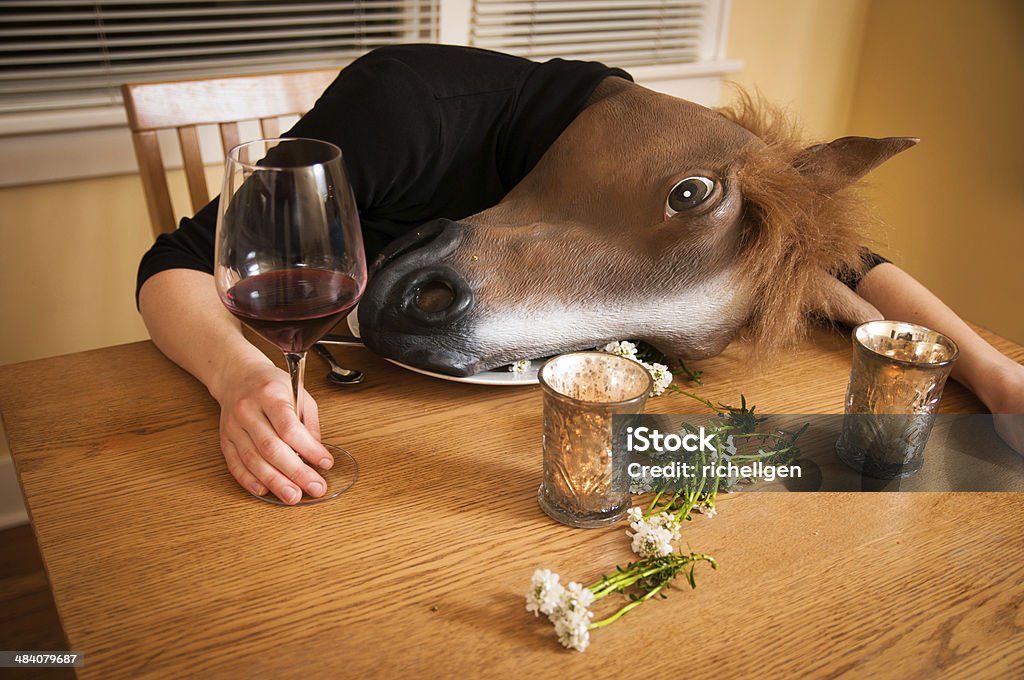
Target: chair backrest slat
x: 183, y: 105
x: 192, y: 159
x: 154, y: 181
x: 270, y: 127
x: 229, y: 136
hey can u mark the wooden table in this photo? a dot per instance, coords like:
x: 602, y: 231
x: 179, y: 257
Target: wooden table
x: 162, y: 567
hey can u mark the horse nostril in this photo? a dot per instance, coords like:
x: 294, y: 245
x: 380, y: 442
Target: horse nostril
x: 434, y: 296
x: 431, y: 296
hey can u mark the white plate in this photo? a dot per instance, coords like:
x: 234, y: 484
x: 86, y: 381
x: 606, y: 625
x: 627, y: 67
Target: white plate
x: 501, y: 376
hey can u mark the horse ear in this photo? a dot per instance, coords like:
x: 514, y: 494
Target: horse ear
x: 842, y: 162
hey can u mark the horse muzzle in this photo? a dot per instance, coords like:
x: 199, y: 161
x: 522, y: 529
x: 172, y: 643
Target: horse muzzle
x: 415, y: 306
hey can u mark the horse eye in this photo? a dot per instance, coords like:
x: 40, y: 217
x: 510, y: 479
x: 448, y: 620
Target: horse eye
x: 688, y: 194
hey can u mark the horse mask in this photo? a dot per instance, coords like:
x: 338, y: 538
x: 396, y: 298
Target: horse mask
x: 650, y: 218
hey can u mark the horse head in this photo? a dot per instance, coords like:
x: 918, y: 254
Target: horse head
x: 650, y: 218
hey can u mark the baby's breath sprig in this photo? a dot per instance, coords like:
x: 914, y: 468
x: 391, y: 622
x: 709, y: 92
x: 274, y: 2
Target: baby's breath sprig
x: 568, y: 608
x: 652, y: 355
x: 661, y: 376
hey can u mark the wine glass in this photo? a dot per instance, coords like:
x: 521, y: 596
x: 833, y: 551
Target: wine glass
x: 289, y: 260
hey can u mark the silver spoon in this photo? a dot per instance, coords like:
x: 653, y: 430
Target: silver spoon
x: 338, y: 374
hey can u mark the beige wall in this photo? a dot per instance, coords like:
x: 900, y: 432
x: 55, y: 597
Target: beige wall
x: 944, y: 71
x: 802, y: 55
x: 951, y: 73
x: 68, y: 254
x: 68, y: 251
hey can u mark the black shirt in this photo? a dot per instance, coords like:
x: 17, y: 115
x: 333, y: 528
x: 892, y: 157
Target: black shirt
x: 427, y: 131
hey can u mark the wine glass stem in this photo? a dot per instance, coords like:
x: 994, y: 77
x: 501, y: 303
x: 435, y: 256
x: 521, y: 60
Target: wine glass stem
x: 296, y: 369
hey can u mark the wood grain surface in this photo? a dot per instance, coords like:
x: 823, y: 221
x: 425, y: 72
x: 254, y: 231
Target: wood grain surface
x: 161, y: 566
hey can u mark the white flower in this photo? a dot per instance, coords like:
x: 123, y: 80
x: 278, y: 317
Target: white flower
x: 652, y: 542
x: 660, y: 373
x: 520, y: 367
x: 727, y: 454
x: 572, y: 615
x: 578, y: 597
x: 708, y: 512
x: 624, y: 348
x: 652, y: 537
x: 635, y: 514
x: 574, y: 635
x: 545, y: 592
x: 661, y: 376
x: 670, y: 523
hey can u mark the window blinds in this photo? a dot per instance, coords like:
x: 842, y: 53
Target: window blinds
x: 76, y: 53
x: 617, y: 32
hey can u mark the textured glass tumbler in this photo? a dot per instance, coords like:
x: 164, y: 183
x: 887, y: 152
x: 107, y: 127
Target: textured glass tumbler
x: 899, y: 370
x: 582, y: 391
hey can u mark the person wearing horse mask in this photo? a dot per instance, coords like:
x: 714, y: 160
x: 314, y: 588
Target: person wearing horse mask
x: 526, y: 187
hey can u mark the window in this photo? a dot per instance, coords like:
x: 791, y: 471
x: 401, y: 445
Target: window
x: 67, y: 55
x: 619, y: 32
x: 62, y: 62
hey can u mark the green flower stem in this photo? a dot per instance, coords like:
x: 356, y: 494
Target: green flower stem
x: 623, y: 580
x: 663, y: 571
x: 641, y: 570
x: 654, y: 503
x: 692, y: 376
x: 622, y: 612
x: 679, y: 390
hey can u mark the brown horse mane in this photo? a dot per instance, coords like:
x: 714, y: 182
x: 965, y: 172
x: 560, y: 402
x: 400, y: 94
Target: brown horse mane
x: 792, y: 231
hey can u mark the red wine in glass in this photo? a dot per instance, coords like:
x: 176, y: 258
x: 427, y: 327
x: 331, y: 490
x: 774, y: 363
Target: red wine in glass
x: 293, y: 308
x: 289, y: 260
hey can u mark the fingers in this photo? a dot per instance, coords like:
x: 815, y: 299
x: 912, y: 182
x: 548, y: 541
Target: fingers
x: 264, y: 443
x: 238, y: 470
x: 299, y: 437
x: 274, y: 479
x: 266, y: 454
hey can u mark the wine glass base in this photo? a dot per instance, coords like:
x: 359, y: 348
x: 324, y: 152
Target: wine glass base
x: 339, y: 478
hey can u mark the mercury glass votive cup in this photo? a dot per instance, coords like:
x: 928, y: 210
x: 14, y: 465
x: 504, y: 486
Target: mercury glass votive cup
x: 582, y: 391
x: 899, y: 370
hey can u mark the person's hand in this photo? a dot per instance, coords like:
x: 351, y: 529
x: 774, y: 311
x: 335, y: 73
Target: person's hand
x: 263, y: 442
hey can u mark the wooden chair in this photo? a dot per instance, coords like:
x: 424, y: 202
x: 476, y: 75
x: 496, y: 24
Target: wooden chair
x: 184, y: 105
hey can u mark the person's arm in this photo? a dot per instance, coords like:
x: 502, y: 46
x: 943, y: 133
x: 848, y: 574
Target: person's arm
x: 997, y: 380
x: 260, y: 436
x: 263, y: 442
